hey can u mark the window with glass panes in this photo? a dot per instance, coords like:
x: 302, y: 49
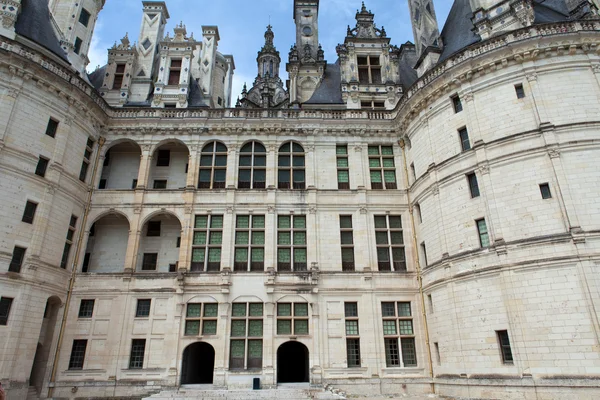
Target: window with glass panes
x: 201, y: 319
x: 206, y: 245
x: 382, y: 167
x: 343, y: 167
x: 253, y: 166
x: 291, y: 172
x: 69, y: 242
x: 213, y: 166
x: 347, y: 240
x: 398, y: 334
x: 77, y: 354
x: 249, y: 243
x: 352, y: 335
x: 369, y: 70
x: 482, y: 230
x: 246, y: 349
x: 390, y: 243
x: 138, y: 349
x: 87, y: 155
x: 292, y: 318
x: 291, y: 243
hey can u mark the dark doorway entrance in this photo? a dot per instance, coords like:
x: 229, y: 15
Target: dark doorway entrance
x: 198, y: 364
x: 292, y: 363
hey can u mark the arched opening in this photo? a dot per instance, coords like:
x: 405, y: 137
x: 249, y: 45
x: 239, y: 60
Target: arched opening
x: 213, y: 166
x: 169, y: 166
x: 160, y: 243
x: 291, y: 167
x: 121, y: 166
x: 292, y: 363
x: 107, y: 245
x: 198, y: 364
x: 253, y: 166
x: 42, y: 353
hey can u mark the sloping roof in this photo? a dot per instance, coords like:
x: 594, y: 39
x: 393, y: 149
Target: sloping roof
x: 97, y: 77
x: 550, y: 11
x: 408, y: 59
x: 35, y: 24
x: 196, y: 97
x: 458, y: 31
x: 330, y: 89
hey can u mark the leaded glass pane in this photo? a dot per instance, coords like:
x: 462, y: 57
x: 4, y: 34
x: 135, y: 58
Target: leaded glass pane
x: 211, y: 310
x: 241, y: 255
x: 348, y: 255
x: 398, y: 254
x: 380, y: 222
x: 374, y: 163
x: 301, y: 327
x: 351, y: 327
x: 238, y: 348
x: 343, y: 176
x: 396, y: 222
x: 258, y: 221
x: 284, y: 222
x: 216, y: 221
x: 389, y: 327
x: 242, y: 237
x: 381, y: 237
x: 397, y: 237
x: 387, y: 150
x: 373, y: 150
x: 388, y: 309
x: 216, y: 237
x: 351, y: 310
x: 388, y: 163
x: 298, y: 161
x: 376, y: 177
x: 284, y: 238
x: 206, y: 161
x: 258, y: 255
x: 220, y: 161
x: 256, y: 309
x: 285, y: 148
x: 260, y: 161
x: 299, y: 237
x: 238, y: 328
x: 243, y: 221
x: 255, y: 349
x: 193, y: 310
x: 383, y: 254
x: 345, y: 222
x: 255, y: 328
x: 258, y: 238
x: 341, y: 149
x: 297, y: 148
x: 299, y: 255
x: 284, y: 310
x: 238, y: 310
x: 409, y: 354
x: 406, y: 327
x: 198, y: 255
x: 192, y: 328
x: 245, y: 161
x: 342, y: 162
x: 214, y: 255
x: 300, y: 310
x: 284, y: 327
x: 209, y: 327
x: 389, y: 176
x: 221, y: 148
x: 201, y: 221
x: 404, y: 310
x: 199, y: 238
x: 284, y: 255
x: 299, y: 222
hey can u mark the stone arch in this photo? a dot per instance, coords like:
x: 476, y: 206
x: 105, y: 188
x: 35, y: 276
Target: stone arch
x: 107, y: 243
x: 197, y: 364
x: 104, y: 213
x: 168, y: 165
x: 293, y: 363
x: 160, y: 242
x: 121, y: 165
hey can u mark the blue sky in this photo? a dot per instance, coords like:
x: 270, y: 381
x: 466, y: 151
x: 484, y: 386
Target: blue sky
x: 242, y: 24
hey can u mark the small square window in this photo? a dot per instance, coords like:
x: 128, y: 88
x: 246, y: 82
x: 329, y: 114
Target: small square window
x: 520, y: 91
x: 102, y: 184
x: 545, y: 190
x: 160, y: 184
x: 86, y: 309
x: 143, y: 308
x: 456, y: 103
x: 42, y: 165
x: 52, y: 127
x: 29, y: 212
x: 149, y: 261
x: 153, y: 228
x: 164, y: 158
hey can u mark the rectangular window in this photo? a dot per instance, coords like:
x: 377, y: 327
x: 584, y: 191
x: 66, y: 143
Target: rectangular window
x: 418, y: 212
x: 390, y: 243
x: 399, y: 335
x: 372, y: 105
x: 102, y: 184
x: 142, y: 309
x: 174, y: 72
x: 206, y: 244
x: 86, y: 309
x: 292, y: 318
x: 41, y: 167
x: 17, y: 259
x: 430, y: 301
x: 77, y: 45
x: 160, y: 184
x: 201, y: 317
x: 437, y: 353
x: 86, y: 262
x: 149, y: 261
x: 413, y: 171
x: 343, y: 168
x: 347, y: 241
x: 106, y: 162
x: 382, y: 167
x: 136, y: 358
x: 291, y: 243
x: 369, y: 70
x: 119, y: 76
x: 456, y: 103
x: 84, y: 17
x: 545, y: 190
x: 52, y: 127
x: 178, y: 243
x: 505, y: 350
x: 77, y: 354
x: 463, y: 134
x: 69, y: 243
x: 153, y: 229
x: 87, y: 155
x: 484, y: 238
x: 29, y: 212
x: 134, y: 183
x: 5, y: 304
x: 246, y: 349
x: 352, y: 335
x: 164, y: 158
x: 519, y: 91
x: 424, y: 252
x: 249, y: 243
x: 473, y: 185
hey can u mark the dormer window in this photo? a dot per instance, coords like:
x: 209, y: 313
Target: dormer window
x: 174, y: 72
x: 372, y: 105
x: 119, y: 75
x: 369, y: 70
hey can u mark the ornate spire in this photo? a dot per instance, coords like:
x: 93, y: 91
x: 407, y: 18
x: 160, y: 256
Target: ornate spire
x: 269, y: 36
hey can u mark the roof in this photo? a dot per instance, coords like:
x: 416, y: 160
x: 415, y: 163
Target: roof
x: 550, y: 11
x: 35, y: 23
x: 97, y: 77
x: 408, y: 58
x: 330, y: 89
x: 458, y: 31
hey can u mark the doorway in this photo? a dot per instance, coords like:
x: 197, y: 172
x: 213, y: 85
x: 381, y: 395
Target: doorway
x: 198, y: 364
x: 42, y: 353
x: 292, y: 363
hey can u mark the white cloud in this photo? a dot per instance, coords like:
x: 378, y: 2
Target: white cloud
x: 97, y: 53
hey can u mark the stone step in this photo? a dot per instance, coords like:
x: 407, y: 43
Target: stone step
x: 267, y: 394
x: 32, y: 393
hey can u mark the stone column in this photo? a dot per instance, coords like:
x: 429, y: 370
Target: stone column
x: 7, y: 107
x: 271, y: 165
x: 144, y: 171
x: 271, y: 239
x: 231, y: 177
x: 187, y: 238
x: 133, y: 242
x: 193, y: 168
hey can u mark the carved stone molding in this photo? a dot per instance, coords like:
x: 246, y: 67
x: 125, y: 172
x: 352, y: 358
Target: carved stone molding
x: 554, y: 152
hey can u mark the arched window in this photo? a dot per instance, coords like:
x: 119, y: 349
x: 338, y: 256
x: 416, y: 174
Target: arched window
x: 291, y: 173
x: 213, y: 166
x: 253, y: 166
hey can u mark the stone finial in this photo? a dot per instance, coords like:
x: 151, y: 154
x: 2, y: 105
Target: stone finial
x: 125, y: 41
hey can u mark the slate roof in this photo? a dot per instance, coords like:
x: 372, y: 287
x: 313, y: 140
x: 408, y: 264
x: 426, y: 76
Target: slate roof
x: 408, y: 59
x: 97, y: 77
x: 458, y: 30
x: 550, y: 11
x: 330, y: 89
x: 35, y: 23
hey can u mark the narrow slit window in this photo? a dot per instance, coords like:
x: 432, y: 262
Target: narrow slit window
x: 29, y: 212
x: 473, y: 185
x: 545, y: 191
x: 463, y: 134
x: 482, y: 230
x: 520, y: 91
x: 505, y: 349
x: 456, y: 103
